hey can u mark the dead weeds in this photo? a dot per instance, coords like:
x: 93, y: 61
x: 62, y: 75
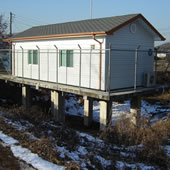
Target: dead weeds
x: 152, y: 138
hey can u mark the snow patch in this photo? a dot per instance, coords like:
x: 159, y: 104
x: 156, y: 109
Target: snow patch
x: 105, y: 163
x: 118, y: 109
x: 8, y: 140
x: 27, y: 156
x: 123, y: 165
x: 33, y: 159
x: 167, y: 149
x: 18, y: 125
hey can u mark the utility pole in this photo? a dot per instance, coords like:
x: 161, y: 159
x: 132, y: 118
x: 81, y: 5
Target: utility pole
x: 10, y: 23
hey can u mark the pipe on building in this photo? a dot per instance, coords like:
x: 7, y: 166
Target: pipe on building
x: 100, y: 60
x: 136, y: 62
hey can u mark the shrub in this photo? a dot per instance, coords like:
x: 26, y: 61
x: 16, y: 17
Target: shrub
x: 152, y: 139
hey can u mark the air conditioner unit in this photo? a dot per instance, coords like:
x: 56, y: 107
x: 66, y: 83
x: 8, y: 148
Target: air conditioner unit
x: 149, y: 79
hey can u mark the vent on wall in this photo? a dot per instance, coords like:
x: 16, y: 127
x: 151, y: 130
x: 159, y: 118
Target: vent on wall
x: 149, y: 79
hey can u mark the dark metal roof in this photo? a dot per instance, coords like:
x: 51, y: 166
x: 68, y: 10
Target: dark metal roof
x: 84, y: 26
x: 99, y: 26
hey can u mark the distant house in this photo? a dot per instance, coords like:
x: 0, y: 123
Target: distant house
x: 164, y: 51
x: 78, y: 53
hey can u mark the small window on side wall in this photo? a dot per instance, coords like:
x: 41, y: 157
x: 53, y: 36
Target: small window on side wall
x: 66, y: 58
x: 32, y: 56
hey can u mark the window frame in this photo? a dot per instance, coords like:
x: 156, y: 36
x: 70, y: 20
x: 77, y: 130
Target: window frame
x: 33, y: 57
x: 69, y: 58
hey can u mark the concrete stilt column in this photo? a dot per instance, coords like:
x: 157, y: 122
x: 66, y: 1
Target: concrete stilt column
x: 135, y: 109
x: 88, y: 111
x: 57, y: 106
x: 26, y: 96
x: 52, y: 103
x: 105, y: 113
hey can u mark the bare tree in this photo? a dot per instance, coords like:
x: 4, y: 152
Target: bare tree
x: 3, y: 25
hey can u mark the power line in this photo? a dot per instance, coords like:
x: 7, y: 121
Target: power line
x: 33, y: 20
x: 22, y: 22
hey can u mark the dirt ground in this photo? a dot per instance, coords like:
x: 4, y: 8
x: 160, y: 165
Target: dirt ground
x: 7, y: 160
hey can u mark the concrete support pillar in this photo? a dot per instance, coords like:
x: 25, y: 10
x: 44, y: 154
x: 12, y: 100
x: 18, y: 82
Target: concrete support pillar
x: 57, y: 106
x: 135, y: 109
x: 88, y: 111
x: 26, y: 96
x: 105, y: 113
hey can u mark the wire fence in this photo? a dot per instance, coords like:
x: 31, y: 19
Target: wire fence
x: 115, y: 69
x: 5, y: 60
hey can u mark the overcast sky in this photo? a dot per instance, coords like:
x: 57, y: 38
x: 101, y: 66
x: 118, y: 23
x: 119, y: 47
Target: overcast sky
x: 28, y: 13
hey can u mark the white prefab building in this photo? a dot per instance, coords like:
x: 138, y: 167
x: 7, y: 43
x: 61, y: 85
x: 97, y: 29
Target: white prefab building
x: 104, y: 54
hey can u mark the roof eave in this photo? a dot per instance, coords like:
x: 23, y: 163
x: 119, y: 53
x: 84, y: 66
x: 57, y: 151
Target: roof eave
x: 56, y: 36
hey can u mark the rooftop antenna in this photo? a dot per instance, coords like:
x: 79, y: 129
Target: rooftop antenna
x: 91, y: 6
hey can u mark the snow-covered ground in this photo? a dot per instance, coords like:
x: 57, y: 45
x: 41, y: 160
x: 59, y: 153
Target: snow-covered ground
x: 118, y: 109
x: 89, y: 148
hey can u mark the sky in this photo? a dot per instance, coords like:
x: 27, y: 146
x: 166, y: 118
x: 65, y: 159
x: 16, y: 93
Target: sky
x: 28, y: 13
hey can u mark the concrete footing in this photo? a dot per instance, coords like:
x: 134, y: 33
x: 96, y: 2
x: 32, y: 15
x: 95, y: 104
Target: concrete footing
x: 88, y: 111
x: 135, y: 109
x: 105, y: 113
x: 57, y: 105
x: 26, y: 96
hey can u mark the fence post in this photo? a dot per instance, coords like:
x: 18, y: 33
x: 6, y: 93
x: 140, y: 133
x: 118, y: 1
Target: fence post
x: 22, y: 61
x: 155, y: 58
x: 66, y: 66
x: 80, y: 66
x: 48, y: 65
x: 17, y: 62
x: 136, y: 62
x: 109, y: 69
x: 90, y: 69
x: 38, y: 62
x: 10, y: 59
x: 56, y: 63
x: 13, y: 61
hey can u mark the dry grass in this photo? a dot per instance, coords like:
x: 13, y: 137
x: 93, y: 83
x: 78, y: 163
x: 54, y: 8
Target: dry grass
x: 151, y: 137
x: 163, y: 77
x: 34, y: 114
x: 163, y: 99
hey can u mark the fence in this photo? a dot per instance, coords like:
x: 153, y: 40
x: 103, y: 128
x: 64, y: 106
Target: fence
x: 5, y: 60
x: 117, y: 68
x: 162, y: 62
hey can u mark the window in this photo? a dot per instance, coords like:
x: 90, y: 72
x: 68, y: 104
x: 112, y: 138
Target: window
x: 32, y: 56
x: 66, y: 58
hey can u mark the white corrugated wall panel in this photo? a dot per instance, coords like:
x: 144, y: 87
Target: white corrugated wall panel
x: 53, y: 56
x: 70, y: 76
x: 123, y: 61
